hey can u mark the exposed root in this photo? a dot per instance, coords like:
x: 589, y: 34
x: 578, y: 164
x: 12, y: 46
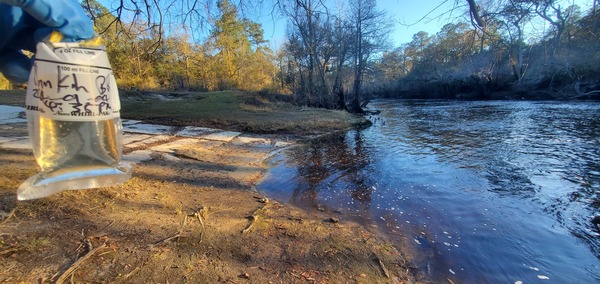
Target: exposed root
x: 253, y: 220
x: 254, y: 217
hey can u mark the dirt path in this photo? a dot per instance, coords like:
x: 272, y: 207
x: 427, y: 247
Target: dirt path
x: 188, y: 215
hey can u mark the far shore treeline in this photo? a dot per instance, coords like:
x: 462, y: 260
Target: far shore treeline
x: 338, y: 56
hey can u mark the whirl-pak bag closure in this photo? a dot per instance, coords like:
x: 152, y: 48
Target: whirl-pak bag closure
x: 73, y: 118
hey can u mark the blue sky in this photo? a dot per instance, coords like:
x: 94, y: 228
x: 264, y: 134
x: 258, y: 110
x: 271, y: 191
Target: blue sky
x: 408, y: 17
x: 405, y: 15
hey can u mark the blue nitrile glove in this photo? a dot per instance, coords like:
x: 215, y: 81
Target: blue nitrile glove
x: 23, y: 23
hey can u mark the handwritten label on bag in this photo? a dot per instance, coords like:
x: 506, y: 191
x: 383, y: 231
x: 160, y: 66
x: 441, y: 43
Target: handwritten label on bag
x: 72, y: 83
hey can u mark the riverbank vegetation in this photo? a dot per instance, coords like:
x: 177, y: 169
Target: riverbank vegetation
x: 227, y: 110
x: 339, y: 56
x: 500, y: 56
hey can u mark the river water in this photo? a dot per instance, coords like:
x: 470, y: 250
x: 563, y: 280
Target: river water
x: 476, y: 192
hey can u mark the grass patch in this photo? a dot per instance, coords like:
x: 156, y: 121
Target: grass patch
x: 191, y: 106
x: 235, y: 111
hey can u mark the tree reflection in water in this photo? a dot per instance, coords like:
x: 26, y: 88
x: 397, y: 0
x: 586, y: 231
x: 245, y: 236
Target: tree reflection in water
x: 338, y: 159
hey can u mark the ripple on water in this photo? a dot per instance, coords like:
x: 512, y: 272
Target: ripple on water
x: 477, y: 188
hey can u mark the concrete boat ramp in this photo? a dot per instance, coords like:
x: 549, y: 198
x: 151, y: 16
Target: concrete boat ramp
x: 142, y: 142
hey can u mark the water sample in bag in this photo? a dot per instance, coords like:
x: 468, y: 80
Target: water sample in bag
x: 72, y: 106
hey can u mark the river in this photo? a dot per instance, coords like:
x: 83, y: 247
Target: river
x: 476, y: 192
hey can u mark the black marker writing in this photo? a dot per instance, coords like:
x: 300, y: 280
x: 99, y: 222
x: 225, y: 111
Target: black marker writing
x: 69, y: 91
x: 75, y: 85
x: 38, y: 91
x: 103, y: 84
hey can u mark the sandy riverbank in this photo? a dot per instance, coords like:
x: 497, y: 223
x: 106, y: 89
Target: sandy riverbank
x: 193, y: 219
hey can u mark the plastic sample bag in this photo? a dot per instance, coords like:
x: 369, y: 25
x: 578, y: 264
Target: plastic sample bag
x: 72, y: 106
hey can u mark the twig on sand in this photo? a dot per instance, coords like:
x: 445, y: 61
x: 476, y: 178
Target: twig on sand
x: 200, y: 214
x: 175, y: 236
x: 6, y: 251
x: 131, y: 273
x: 382, y: 266
x: 10, y: 214
x: 77, y: 263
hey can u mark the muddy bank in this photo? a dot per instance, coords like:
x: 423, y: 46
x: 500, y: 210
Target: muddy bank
x: 194, y: 219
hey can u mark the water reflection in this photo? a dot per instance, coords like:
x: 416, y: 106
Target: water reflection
x: 482, y: 191
x: 338, y: 160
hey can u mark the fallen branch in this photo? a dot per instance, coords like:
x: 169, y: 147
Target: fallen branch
x: 77, y: 263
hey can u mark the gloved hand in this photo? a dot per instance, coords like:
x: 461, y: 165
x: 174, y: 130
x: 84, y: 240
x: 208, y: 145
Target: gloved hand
x: 23, y: 23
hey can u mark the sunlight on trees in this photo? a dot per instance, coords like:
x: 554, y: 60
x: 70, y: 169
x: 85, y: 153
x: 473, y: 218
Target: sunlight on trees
x: 143, y: 56
x: 4, y: 83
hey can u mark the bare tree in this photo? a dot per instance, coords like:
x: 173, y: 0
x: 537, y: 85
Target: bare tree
x: 342, y: 36
x: 371, y: 28
x: 556, y: 15
x: 305, y: 16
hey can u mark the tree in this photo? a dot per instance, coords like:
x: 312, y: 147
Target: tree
x: 556, y: 15
x: 370, y: 35
x: 238, y: 47
x: 516, y: 13
x: 342, y: 36
x: 130, y: 46
x: 306, y: 18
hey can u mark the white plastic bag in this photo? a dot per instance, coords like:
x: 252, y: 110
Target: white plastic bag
x: 73, y: 120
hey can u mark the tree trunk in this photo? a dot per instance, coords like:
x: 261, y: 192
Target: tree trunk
x: 358, y: 63
x: 338, y: 89
x: 355, y: 104
x: 519, y: 70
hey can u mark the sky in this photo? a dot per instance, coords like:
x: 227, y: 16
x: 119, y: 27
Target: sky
x: 408, y: 18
